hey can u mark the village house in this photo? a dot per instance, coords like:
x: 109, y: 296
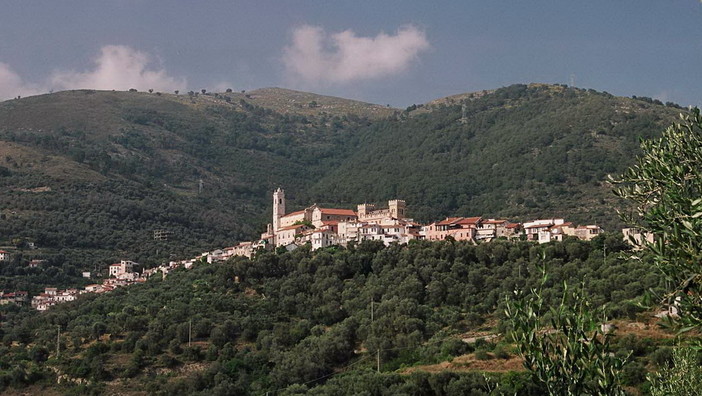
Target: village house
x: 35, y: 263
x: 559, y: 230
x: 511, y: 230
x: 458, y: 228
x: 533, y: 228
x: 556, y: 232
x: 4, y: 256
x: 637, y: 237
x: 243, y: 249
x: 17, y: 298
x: 94, y: 288
x: 286, y: 235
x: 588, y: 232
x: 489, y: 229
x: 122, y: 268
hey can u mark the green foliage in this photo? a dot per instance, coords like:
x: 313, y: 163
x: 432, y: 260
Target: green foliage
x: 299, y: 316
x: 524, y: 151
x: 665, y: 186
x: 570, y: 355
x: 682, y: 378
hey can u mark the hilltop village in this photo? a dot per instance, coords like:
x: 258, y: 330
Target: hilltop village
x: 322, y: 227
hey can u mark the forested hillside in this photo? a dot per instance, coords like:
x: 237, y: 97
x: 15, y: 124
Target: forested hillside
x: 317, y: 322
x: 89, y: 176
x: 520, y: 152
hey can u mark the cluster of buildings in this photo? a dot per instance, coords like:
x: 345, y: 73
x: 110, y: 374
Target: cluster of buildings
x: 121, y: 274
x: 322, y: 227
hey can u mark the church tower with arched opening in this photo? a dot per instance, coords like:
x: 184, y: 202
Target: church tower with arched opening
x: 278, y: 207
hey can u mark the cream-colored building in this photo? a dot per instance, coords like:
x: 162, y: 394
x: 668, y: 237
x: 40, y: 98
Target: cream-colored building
x: 637, y: 237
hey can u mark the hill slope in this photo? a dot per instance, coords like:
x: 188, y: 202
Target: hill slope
x: 103, y: 170
x: 91, y: 175
x: 519, y: 152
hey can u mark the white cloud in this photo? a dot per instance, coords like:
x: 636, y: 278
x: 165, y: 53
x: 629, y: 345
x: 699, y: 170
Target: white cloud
x: 117, y: 67
x: 12, y: 85
x: 318, y: 58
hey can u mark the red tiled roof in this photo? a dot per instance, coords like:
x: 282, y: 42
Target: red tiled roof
x: 513, y: 225
x: 294, y: 213
x: 338, y: 212
x: 331, y: 223
x: 469, y: 220
x: 449, y: 221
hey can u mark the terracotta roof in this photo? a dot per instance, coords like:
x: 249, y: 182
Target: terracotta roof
x: 513, y: 225
x: 2, y: 251
x: 338, y: 212
x: 469, y: 220
x: 449, y: 221
x: 332, y: 223
x: 294, y: 213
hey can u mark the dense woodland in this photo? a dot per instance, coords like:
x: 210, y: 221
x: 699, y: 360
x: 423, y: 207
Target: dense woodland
x: 300, y: 322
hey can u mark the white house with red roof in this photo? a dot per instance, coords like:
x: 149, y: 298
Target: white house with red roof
x: 4, y: 256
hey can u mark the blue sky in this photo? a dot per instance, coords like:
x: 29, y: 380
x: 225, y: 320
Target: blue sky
x: 387, y: 52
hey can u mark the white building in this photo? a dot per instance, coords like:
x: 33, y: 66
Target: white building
x: 121, y: 268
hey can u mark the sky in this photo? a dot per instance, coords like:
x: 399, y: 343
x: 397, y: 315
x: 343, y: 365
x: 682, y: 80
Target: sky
x: 386, y: 52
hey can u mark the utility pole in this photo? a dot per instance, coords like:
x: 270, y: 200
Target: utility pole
x: 190, y: 332
x: 378, y: 359
x: 58, y: 342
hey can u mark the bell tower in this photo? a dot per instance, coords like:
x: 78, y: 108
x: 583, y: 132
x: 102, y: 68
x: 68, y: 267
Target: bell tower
x: 278, y: 207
